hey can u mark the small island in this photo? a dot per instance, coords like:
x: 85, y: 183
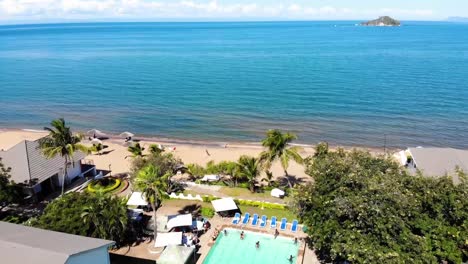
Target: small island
x: 384, y: 21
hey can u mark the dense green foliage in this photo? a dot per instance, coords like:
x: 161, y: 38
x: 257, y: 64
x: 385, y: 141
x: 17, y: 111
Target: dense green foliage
x: 104, y: 185
x: 61, y: 142
x: 278, y: 148
x: 91, y: 215
x: 367, y: 209
x: 154, y: 149
x: 9, y: 191
x: 166, y: 163
x: 207, y: 212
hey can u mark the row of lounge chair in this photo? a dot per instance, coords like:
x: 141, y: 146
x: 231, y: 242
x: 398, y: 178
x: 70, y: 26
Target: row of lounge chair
x: 263, y: 221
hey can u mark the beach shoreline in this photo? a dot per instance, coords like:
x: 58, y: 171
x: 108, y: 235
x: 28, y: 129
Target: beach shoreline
x: 116, y: 158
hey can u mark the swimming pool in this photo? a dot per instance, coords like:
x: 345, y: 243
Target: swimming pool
x: 231, y: 249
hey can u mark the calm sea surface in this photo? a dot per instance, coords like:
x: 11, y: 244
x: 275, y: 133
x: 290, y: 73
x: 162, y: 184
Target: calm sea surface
x: 331, y: 81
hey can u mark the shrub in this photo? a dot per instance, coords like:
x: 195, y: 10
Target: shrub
x: 104, y: 185
x: 207, y: 212
x: 208, y: 198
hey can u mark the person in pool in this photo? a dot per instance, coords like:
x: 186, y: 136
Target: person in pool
x: 276, y: 233
x: 295, y: 241
x: 242, y: 235
x: 290, y: 258
x: 257, y: 245
x: 225, y: 232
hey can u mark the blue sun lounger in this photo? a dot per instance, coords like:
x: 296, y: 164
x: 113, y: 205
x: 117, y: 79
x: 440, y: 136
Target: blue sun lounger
x: 255, y: 220
x: 263, y: 222
x: 246, y: 219
x: 294, y: 226
x: 236, y: 219
x: 273, y: 222
x: 284, y: 222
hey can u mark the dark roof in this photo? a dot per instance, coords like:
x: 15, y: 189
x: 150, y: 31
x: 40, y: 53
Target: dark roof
x: 28, y: 163
x: 22, y: 244
x: 440, y: 161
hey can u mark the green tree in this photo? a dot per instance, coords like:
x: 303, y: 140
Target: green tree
x: 269, y: 178
x: 367, y: 209
x: 9, y: 191
x: 195, y: 170
x: 61, y: 142
x: 277, y: 144
x: 136, y: 150
x: 96, y: 148
x: 249, y: 168
x: 151, y: 181
x: 86, y: 214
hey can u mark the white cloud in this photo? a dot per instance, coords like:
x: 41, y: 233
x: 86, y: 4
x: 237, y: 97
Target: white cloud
x: 189, y: 9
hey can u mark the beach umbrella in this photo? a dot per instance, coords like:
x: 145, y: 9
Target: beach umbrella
x: 126, y: 134
x: 96, y: 141
x: 94, y: 132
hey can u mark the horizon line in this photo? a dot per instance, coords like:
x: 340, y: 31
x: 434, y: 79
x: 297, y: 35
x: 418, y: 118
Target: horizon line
x: 204, y: 21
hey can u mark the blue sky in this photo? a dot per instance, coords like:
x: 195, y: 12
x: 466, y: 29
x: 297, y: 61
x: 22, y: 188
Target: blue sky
x: 37, y: 11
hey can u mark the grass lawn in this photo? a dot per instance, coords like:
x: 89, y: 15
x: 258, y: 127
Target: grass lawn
x: 279, y: 213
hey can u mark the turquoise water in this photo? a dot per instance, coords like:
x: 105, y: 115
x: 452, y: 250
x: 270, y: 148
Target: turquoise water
x: 231, y: 249
x: 330, y: 81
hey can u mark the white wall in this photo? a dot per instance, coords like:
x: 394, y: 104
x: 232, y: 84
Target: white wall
x: 73, y: 171
x: 95, y: 256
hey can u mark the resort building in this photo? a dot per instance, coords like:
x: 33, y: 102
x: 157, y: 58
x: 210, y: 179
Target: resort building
x: 39, y: 175
x: 435, y: 162
x: 22, y: 244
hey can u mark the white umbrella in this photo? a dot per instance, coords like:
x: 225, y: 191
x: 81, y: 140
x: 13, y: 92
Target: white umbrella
x: 126, y: 134
x: 96, y: 141
x: 93, y: 132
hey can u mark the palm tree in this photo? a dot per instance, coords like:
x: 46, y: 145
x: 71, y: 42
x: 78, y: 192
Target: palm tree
x: 152, y: 183
x: 277, y: 144
x: 61, y: 141
x: 136, y: 150
x: 249, y: 168
x: 268, y: 178
x: 155, y: 149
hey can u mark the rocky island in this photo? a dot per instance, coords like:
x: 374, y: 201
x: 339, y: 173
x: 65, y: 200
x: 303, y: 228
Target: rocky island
x: 384, y: 21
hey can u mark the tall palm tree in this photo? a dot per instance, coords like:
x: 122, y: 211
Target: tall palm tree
x: 277, y: 144
x: 136, y: 150
x: 249, y: 168
x: 152, y: 183
x: 61, y: 141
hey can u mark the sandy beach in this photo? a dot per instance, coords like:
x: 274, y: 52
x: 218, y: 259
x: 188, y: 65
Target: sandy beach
x: 193, y: 152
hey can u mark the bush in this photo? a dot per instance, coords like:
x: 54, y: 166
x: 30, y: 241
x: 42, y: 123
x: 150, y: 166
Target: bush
x: 207, y: 198
x: 207, y: 212
x: 104, y: 185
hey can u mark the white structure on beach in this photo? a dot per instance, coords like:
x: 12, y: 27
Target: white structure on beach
x: 39, y: 174
x: 22, y: 244
x: 435, y: 162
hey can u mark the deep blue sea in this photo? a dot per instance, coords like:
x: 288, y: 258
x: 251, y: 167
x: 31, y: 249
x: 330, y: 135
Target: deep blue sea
x: 325, y: 81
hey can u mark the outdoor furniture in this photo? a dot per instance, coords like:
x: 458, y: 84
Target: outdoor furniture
x: 273, y: 222
x: 210, y: 178
x: 236, y: 219
x: 277, y: 193
x: 263, y: 222
x: 284, y: 222
x: 246, y: 219
x: 255, y: 220
x: 294, y: 226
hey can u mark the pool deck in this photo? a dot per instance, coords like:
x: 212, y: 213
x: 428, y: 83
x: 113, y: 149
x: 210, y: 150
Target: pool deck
x: 305, y: 255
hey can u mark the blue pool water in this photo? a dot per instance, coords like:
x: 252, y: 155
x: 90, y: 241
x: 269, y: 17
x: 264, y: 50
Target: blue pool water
x: 330, y: 80
x: 231, y: 249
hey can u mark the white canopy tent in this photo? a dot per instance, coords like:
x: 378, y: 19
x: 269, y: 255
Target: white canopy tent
x: 95, y: 132
x: 137, y: 199
x: 179, y: 220
x: 224, y: 204
x: 168, y: 239
x: 277, y: 193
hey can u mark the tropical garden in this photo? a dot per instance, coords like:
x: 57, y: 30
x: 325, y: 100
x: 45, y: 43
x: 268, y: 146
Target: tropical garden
x: 358, y: 207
